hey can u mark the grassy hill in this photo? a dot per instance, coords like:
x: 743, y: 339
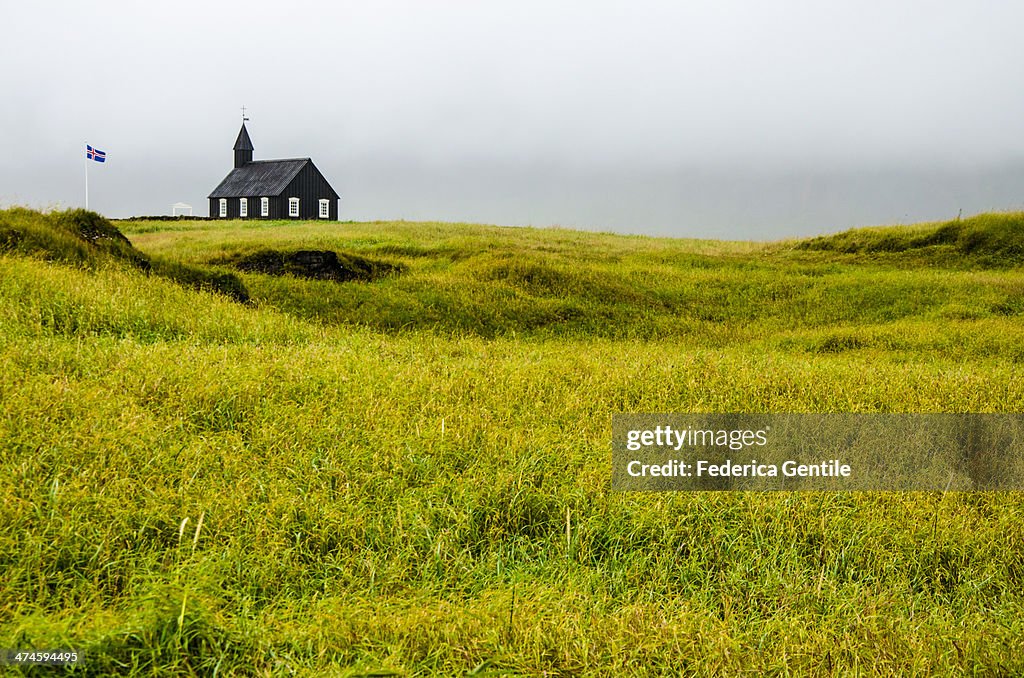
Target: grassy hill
x: 408, y: 470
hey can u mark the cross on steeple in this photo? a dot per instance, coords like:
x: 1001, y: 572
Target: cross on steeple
x: 243, y: 114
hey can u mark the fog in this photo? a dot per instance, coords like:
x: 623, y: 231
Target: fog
x: 727, y: 119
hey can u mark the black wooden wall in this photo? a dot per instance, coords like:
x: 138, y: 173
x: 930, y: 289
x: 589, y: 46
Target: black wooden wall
x: 309, y: 186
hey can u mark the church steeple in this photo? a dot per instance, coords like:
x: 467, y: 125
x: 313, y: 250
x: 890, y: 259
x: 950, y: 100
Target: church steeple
x: 243, y: 148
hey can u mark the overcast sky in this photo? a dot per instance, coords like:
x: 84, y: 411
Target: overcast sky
x: 718, y: 118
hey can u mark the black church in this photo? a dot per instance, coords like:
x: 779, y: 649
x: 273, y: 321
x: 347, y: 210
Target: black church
x: 272, y: 189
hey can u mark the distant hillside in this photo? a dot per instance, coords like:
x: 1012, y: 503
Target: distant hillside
x: 470, y: 279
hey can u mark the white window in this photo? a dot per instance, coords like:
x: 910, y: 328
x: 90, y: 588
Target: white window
x: 293, y: 207
x: 243, y: 207
x: 264, y: 207
x: 325, y: 209
x: 223, y: 207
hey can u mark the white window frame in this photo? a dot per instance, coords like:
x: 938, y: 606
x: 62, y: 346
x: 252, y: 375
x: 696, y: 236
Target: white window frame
x: 223, y: 207
x: 293, y: 207
x: 264, y: 207
x: 243, y: 207
x: 325, y: 209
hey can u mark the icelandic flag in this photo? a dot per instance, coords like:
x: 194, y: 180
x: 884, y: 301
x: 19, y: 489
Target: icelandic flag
x: 95, y: 154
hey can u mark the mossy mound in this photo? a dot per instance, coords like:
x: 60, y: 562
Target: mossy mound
x: 73, y: 236
x: 316, y: 265
x: 995, y: 239
x: 82, y: 238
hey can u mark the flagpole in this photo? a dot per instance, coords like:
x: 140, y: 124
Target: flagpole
x: 87, y: 181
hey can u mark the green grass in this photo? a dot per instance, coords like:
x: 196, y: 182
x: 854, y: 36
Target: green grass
x: 85, y: 239
x: 412, y: 474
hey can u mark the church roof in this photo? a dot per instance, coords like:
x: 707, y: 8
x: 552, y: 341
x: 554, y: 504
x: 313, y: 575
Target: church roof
x: 259, y: 178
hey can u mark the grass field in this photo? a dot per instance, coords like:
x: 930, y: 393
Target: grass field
x: 213, y: 471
